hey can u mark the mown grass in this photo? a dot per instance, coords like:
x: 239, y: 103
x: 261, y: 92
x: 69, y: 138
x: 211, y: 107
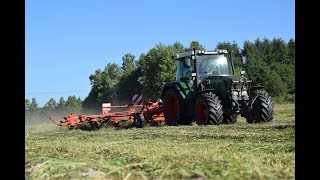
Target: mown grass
x: 239, y: 151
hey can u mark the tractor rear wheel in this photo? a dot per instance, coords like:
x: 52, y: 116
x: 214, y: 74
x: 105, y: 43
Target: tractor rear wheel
x: 262, y: 108
x: 186, y: 120
x: 138, y: 120
x: 208, y: 109
x: 172, y: 107
x: 230, y: 118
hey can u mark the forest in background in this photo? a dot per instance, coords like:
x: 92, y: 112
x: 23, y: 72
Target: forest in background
x: 270, y: 63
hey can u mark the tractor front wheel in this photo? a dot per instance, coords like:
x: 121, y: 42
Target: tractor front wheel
x: 262, y: 108
x: 208, y: 109
x: 230, y: 118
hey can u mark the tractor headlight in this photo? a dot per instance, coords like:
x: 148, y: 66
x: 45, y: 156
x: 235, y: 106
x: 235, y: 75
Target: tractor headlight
x: 221, y: 51
x: 244, y: 93
x: 235, y: 93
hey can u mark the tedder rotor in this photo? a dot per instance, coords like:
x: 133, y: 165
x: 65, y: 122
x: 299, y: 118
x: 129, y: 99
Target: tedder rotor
x: 138, y: 114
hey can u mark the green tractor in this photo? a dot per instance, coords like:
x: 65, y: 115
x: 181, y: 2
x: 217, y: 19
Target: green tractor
x: 207, y: 91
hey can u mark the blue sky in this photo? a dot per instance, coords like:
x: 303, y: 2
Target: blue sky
x: 67, y: 40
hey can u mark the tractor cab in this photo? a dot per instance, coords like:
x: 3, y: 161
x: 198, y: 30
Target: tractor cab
x: 209, y: 63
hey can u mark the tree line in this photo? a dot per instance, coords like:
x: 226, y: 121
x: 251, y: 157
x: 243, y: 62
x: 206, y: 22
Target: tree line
x: 35, y: 113
x: 270, y: 63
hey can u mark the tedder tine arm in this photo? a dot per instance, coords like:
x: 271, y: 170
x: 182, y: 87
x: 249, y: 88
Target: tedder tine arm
x: 55, y: 117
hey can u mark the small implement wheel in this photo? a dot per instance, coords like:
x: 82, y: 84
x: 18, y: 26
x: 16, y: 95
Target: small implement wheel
x: 138, y: 120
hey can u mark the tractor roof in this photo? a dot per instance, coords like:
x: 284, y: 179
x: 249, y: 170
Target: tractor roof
x: 199, y: 52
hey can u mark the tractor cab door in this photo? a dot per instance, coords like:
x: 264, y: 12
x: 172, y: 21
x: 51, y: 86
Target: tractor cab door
x: 184, y: 69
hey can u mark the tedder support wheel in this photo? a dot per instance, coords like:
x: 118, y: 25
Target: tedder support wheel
x: 172, y: 107
x: 262, y: 108
x: 71, y: 127
x: 208, y: 109
x: 230, y: 118
x: 138, y: 120
x: 95, y: 126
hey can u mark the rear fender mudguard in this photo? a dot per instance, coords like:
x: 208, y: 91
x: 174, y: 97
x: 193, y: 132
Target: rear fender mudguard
x: 174, y: 86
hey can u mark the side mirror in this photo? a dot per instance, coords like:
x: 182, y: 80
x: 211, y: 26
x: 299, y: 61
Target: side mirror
x: 244, y: 60
x: 187, y: 62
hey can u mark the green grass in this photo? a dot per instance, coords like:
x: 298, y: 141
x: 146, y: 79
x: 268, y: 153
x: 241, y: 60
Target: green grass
x: 239, y: 151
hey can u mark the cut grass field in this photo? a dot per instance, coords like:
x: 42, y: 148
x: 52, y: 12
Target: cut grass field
x: 239, y: 151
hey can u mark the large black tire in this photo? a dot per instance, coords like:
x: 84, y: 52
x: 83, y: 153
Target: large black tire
x: 186, y: 120
x: 172, y: 107
x: 230, y: 118
x: 208, y: 109
x: 262, y: 108
x: 138, y: 120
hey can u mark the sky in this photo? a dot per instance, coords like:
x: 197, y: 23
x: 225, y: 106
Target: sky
x: 68, y: 40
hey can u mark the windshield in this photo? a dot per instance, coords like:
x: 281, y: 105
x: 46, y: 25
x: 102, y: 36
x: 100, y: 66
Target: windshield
x: 213, y: 65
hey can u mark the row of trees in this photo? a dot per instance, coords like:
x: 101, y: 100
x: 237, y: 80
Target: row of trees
x: 34, y: 113
x: 270, y: 63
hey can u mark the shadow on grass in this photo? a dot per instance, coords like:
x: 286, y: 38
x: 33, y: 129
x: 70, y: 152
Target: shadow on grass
x: 129, y: 125
x: 124, y: 124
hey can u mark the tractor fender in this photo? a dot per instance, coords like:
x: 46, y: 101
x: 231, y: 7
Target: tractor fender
x: 258, y: 87
x: 206, y: 91
x: 174, y: 86
x: 254, y: 88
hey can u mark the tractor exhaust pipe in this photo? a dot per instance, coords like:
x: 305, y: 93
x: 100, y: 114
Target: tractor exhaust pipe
x: 231, y: 60
x: 196, y: 68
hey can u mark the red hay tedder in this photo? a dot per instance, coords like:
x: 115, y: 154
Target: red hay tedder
x: 138, y: 113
